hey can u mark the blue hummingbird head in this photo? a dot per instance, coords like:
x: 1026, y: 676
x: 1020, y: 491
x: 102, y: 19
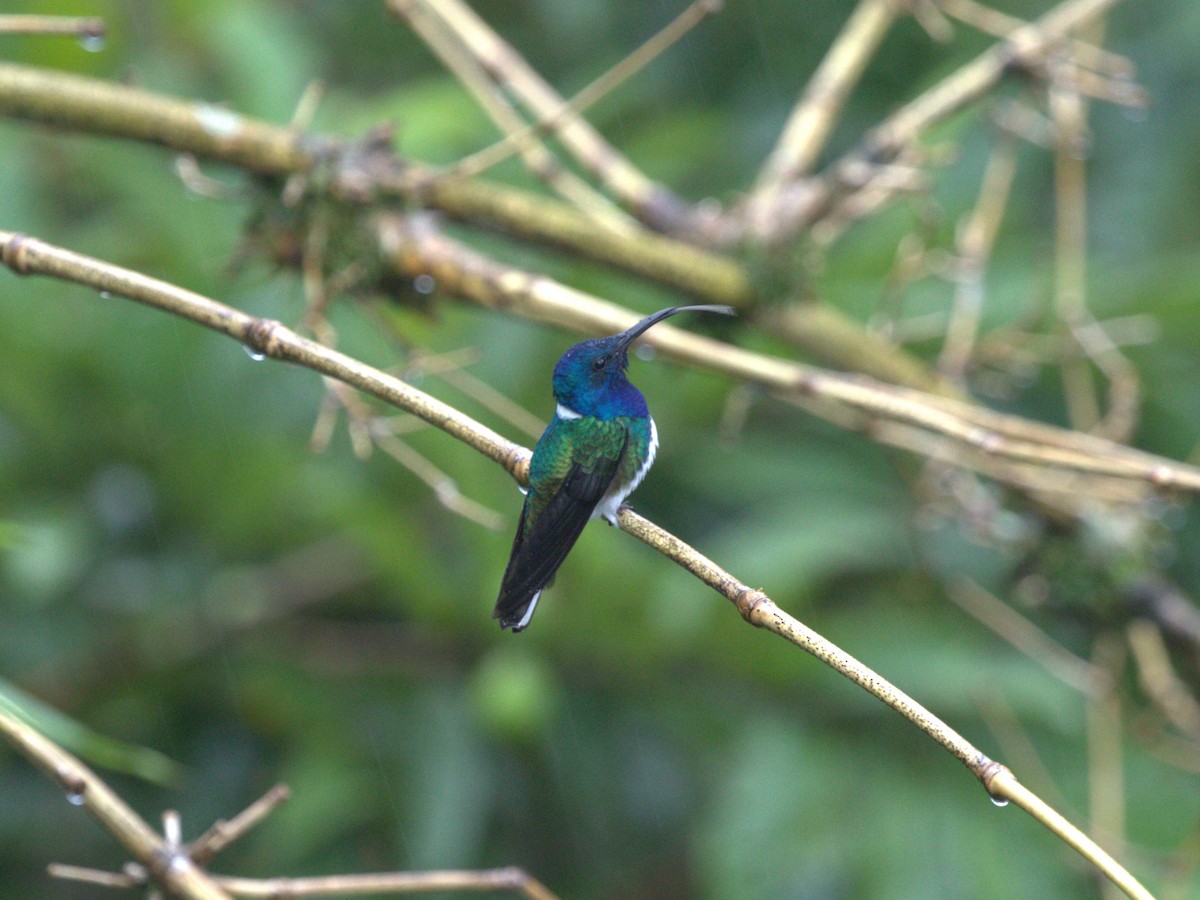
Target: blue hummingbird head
x: 590, y: 378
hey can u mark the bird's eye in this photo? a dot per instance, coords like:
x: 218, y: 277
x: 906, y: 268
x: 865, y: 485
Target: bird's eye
x: 599, y: 363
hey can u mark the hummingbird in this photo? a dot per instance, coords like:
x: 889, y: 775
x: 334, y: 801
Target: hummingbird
x: 593, y: 454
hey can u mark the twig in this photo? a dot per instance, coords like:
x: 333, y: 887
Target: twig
x: 179, y: 868
x: 1068, y: 112
x: 223, y: 833
x: 536, y: 156
x: 172, y: 869
x: 1059, y: 492
x: 1106, y: 780
x: 931, y: 18
x: 1023, y: 46
x: 456, y: 375
x: 68, y: 26
x: 649, y: 201
x: 479, y: 162
x: 810, y: 123
x: 511, y: 879
x: 976, y: 238
x: 903, y: 128
x: 1069, y: 115
x: 1158, y: 679
x: 1017, y: 630
x: 443, y: 486
x: 830, y: 337
x: 999, y: 24
x: 29, y: 256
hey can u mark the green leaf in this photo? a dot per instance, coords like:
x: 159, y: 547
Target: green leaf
x: 89, y: 745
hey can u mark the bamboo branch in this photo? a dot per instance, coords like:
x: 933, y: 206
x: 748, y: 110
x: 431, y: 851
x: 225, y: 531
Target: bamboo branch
x: 976, y: 237
x: 211, y: 132
x: 1158, y: 680
x: 999, y: 24
x: 813, y: 118
x: 1069, y: 115
x: 1106, y: 779
x: 28, y: 256
x: 1023, y: 48
x: 1005, y: 786
x: 1026, y: 637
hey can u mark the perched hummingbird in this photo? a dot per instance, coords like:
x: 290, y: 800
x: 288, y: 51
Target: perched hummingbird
x: 595, y: 451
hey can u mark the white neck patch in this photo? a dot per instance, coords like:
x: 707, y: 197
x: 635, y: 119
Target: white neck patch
x: 565, y: 412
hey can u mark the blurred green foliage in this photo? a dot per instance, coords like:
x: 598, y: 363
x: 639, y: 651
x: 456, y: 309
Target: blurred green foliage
x: 179, y: 571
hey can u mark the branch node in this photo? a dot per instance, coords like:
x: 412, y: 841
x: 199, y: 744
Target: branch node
x: 748, y: 601
x: 805, y: 384
x: 517, y: 463
x: 988, y: 770
x: 13, y: 255
x: 985, y: 440
x: 1161, y: 476
x: 74, y: 784
x: 262, y: 337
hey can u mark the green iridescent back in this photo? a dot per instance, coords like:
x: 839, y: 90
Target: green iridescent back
x: 591, y: 444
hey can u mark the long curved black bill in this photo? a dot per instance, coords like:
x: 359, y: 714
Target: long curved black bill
x: 630, y: 335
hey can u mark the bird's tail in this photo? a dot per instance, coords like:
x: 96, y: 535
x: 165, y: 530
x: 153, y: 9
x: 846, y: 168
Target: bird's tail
x: 515, y: 613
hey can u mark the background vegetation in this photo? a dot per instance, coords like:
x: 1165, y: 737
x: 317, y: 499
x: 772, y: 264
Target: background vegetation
x: 181, y: 571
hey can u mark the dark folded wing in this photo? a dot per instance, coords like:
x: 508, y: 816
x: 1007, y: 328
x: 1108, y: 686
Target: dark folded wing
x: 538, y: 550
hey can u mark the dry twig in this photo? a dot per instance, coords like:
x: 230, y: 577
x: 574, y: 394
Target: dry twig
x: 811, y: 121
x: 87, y: 29
x: 478, y: 163
x: 537, y: 158
x: 649, y: 201
x: 178, y: 868
x: 1022, y: 50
